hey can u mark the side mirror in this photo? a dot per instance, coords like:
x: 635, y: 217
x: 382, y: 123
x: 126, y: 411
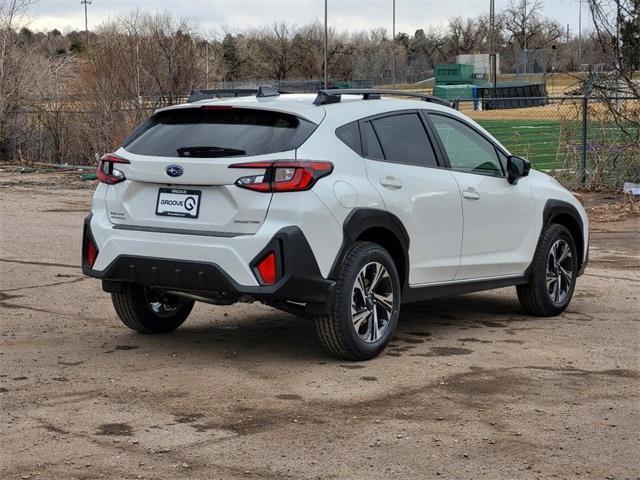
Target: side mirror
x: 517, y: 167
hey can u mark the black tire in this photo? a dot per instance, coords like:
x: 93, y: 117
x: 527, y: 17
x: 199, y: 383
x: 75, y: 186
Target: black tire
x: 337, y: 331
x: 134, y: 307
x: 535, y: 297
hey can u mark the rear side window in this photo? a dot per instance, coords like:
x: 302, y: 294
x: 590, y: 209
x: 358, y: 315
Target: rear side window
x: 197, y: 132
x: 370, y: 145
x: 404, y: 140
x: 350, y: 135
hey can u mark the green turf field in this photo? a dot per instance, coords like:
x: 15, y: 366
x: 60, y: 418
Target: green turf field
x: 547, y: 143
x: 537, y: 140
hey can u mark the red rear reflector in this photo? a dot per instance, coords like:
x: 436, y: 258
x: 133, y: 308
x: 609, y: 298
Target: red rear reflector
x: 91, y: 253
x: 267, y: 269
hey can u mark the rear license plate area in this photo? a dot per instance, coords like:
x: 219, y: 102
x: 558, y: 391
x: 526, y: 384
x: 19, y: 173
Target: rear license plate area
x: 178, y: 202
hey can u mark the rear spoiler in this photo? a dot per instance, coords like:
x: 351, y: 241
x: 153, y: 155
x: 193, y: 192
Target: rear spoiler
x: 260, y: 92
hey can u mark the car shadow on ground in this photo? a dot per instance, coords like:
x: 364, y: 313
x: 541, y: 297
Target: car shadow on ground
x: 271, y: 333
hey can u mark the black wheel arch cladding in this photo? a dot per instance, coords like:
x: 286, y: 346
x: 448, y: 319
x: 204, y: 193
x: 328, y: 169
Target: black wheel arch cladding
x: 563, y: 213
x: 385, y: 228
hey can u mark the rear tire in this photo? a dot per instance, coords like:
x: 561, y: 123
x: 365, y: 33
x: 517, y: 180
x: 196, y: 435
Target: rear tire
x: 553, y: 274
x: 141, y: 311
x: 366, y: 304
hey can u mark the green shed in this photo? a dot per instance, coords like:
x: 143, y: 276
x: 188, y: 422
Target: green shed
x: 454, y: 74
x: 454, y: 92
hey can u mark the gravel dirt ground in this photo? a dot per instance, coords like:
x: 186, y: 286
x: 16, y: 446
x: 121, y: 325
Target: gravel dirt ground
x: 469, y: 388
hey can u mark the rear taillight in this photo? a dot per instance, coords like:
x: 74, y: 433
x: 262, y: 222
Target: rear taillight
x: 106, y: 171
x: 283, y: 176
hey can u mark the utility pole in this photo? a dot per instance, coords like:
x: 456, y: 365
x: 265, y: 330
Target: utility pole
x: 579, y: 34
x: 524, y: 29
x: 619, y: 59
x: 326, y: 46
x: 492, y: 45
x: 86, y: 3
x: 138, y: 72
x: 393, y: 47
x: 206, y: 59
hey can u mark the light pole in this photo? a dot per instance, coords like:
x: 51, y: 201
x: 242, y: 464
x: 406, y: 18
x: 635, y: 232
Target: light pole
x: 524, y: 30
x: 619, y: 58
x: 393, y: 47
x: 579, y: 34
x: 492, y: 45
x: 206, y: 59
x: 86, y: 3
x: 326, y: 46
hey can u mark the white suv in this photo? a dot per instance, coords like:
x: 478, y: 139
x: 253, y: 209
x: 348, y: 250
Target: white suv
x: 338, y: 207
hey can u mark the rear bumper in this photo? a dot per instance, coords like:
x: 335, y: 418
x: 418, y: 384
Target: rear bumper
x: 300, y: 279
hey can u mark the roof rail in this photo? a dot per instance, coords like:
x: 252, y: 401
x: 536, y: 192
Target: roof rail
x: 260, y: 92
x: 326, y: 97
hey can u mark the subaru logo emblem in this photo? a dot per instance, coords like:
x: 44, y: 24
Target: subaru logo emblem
x: 174, y: 170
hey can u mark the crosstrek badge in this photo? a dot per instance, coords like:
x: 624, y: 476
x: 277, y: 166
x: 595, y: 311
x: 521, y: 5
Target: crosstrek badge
x: 178, y: 202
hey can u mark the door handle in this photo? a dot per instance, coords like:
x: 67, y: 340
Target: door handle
x: 471, y: 194
x: 392, y: 183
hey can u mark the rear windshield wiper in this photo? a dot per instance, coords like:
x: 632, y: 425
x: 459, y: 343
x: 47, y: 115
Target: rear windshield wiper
x: 209, y: 152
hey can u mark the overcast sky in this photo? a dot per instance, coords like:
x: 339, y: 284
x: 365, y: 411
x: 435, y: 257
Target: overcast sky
x: 235, y: 15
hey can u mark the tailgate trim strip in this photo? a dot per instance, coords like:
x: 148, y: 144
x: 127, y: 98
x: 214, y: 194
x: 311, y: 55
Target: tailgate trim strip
x: 177, y: 231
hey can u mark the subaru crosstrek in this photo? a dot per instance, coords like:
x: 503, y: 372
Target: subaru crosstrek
x: 339, y: 207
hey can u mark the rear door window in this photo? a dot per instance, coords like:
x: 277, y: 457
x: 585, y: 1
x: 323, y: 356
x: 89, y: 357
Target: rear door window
x: 210, y: 133
x: 404, y: 140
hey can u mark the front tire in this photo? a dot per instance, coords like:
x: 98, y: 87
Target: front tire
x: 142, y: 310
x: 366, y: 304
x: 553, y: 274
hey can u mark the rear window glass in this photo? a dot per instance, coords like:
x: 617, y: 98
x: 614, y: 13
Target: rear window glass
x: 197, y: 132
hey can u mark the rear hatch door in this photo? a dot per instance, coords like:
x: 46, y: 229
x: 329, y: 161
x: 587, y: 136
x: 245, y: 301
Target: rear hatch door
x: 179, y: 178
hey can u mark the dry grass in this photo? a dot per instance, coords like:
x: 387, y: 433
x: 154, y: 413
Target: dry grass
x: 629, y: 207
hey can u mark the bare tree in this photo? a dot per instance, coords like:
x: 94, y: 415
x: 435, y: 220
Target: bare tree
x: 16, y: 69
x: 610, y: 18
x: 426, y: 49
x: 11, y: 14
x: 468, y: 35
x: 526, y: 29
x: 307, y: 51
x: 281, y: 48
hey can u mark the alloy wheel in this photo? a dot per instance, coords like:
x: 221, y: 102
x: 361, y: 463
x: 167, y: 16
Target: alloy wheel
x: 559, y: 275
x: 372, y: 302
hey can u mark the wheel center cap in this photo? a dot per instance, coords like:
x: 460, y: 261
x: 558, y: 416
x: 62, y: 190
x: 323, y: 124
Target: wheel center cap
x: 370, y: 302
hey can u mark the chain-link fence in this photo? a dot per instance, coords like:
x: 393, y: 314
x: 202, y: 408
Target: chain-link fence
x: 584, y: 143
x: 591, y: 143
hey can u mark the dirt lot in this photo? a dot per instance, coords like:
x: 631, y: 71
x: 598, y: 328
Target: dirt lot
x: 469, y: 388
